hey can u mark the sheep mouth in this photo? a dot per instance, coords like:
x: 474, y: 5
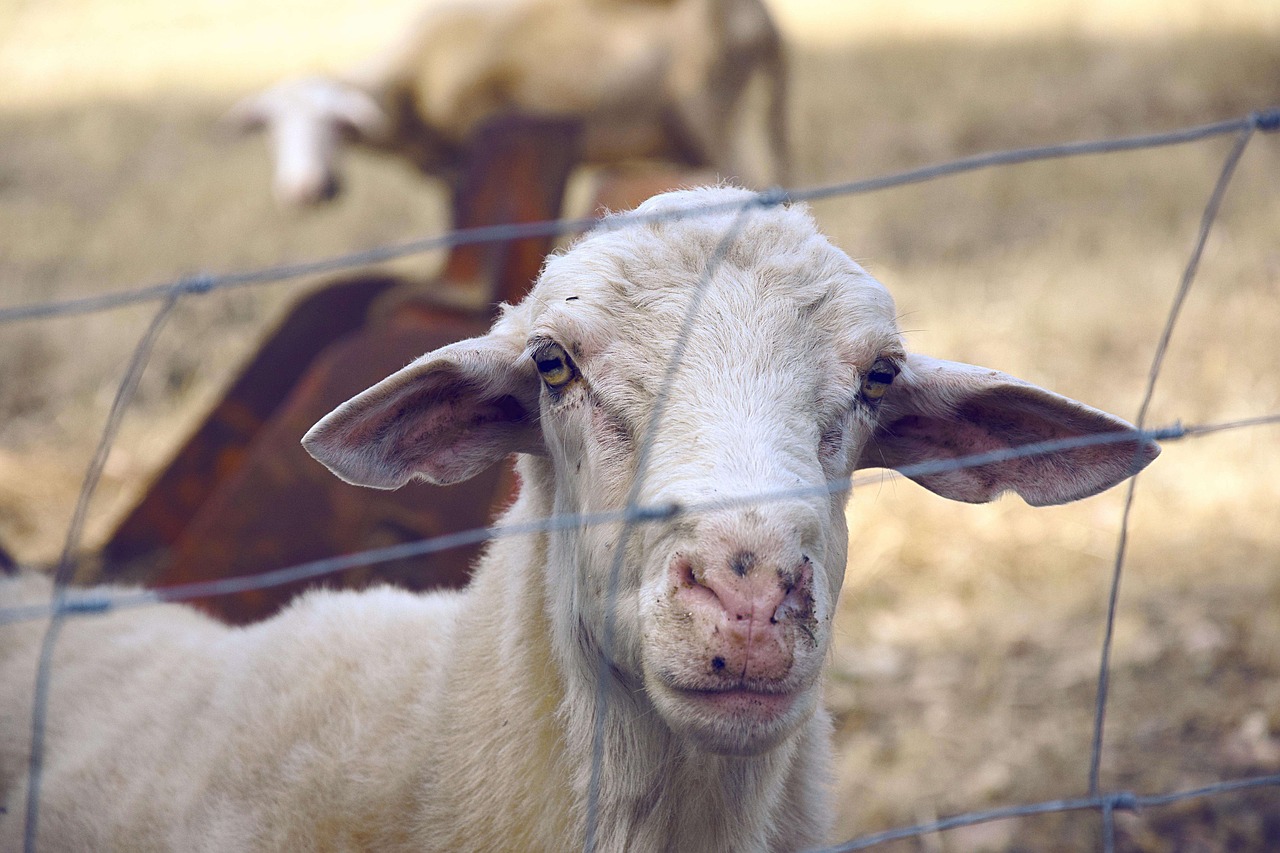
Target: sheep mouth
x: 741, y: 720
x: 738, y: 701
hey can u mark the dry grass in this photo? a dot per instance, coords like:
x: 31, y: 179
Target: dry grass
x: 968, y: 636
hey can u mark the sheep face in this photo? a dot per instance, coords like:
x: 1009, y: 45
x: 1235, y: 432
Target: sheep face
x: 306, y: 120
x: 722, y: 616
x: 791, y: 374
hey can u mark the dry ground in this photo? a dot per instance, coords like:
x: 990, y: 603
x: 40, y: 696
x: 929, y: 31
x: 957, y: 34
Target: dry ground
x: 968, y: 636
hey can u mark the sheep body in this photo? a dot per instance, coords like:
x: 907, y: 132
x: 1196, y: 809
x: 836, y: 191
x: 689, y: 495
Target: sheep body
x: 162, y: 720
x: 466, y: 721
x: 647, y: 80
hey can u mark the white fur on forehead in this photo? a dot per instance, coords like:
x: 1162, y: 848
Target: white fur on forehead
x: 654, y: 266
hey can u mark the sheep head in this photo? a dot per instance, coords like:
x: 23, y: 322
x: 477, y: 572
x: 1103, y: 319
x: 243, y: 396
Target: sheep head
x: 306, y: 120
x: 792, y: 375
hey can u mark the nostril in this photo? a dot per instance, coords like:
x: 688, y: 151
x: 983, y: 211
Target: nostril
x: 801, y: 575
x: 789, y: 598
x: 686, y: 583
x: 682, y: 568
x: 797, y: 598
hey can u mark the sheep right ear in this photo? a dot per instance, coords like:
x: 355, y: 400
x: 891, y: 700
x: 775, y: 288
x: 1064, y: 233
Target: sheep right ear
x: 444, y: 418
x: 940, y: 410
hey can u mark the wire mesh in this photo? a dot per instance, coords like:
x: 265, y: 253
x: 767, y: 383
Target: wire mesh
x: 67, y: 603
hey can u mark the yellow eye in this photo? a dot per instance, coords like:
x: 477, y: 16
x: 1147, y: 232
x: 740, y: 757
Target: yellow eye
x: 877, y: 380
x: 554, y: 365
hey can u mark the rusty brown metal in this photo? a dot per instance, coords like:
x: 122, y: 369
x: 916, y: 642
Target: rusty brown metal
x: 241, y: 497
x: 539, y: 156
x: 281, y: 508
x: 217, y: 450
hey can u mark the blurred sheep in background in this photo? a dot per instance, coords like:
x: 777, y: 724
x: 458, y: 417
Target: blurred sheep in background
x: 647, y: 79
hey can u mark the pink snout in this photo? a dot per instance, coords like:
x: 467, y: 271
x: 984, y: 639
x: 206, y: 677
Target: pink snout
x: 301, y: 188
x: 750, y: 613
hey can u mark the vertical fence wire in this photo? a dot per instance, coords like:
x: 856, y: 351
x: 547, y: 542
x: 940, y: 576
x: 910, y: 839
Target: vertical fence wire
x: 643, y: 453
x: 66, y: 562
x: 1207, y: 219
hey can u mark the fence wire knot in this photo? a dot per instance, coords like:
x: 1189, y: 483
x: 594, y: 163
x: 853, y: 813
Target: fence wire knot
x: 1169, y: 433
x: 654, y: 513
x: 1122, y: 801
x: 86, y: 604
x: 772, y: 197
x: 1266, y: 120
x: 201, y: 283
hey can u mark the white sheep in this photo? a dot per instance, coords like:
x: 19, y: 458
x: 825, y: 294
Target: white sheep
x: 648, y: 78
x: 387, y: 720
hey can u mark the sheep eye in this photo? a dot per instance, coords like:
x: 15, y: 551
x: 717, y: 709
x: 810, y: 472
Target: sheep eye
x: 554, y: 365
x: 878, y: 379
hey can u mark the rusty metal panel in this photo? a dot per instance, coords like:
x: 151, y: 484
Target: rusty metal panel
x: 517, y: 170
x: 282, y: 508
x: 218, y: 448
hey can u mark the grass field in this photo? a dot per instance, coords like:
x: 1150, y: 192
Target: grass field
x: 968, y: 636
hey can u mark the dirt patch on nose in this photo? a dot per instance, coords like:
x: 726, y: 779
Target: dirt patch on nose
x: 807, y: 624
x: 742, y: 563
x: 799, y: 608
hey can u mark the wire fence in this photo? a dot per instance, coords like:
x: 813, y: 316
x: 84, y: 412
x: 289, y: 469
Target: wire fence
x: 71, y: 603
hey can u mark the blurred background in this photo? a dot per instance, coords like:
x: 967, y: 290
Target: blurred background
x: 968, y: 637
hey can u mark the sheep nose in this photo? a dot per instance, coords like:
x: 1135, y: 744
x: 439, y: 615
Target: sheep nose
x: 749, y: 591
x: 751, y: 610
x: 327, y: 189
x: 306, y: 189
x: 319, y: 189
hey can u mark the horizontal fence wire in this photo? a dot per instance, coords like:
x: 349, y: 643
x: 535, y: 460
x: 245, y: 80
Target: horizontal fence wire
x: 1268, y: 119
x: 70, y: 603
x: 1119, y: 801
x: 91, y: 601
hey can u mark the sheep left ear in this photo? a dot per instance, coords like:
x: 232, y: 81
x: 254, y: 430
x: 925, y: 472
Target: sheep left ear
x: 938, y: 410
x: 444, y: 418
